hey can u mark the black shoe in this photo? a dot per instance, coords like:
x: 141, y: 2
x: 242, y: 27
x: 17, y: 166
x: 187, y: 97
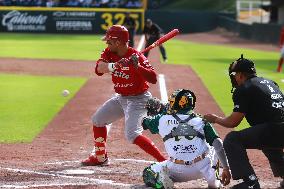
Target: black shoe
x: 244, y: 185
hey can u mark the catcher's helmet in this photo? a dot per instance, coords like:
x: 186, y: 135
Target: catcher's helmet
x: 241, y: 65
x: 181, y: 100
x: 117, y: 32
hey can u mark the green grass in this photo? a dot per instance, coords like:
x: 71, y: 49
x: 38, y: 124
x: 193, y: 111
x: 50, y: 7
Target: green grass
x: 45, y: 46
x: 211, y: 63
x: 28, y: 103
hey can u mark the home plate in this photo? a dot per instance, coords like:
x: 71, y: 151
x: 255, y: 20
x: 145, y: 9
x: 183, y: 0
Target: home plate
x: 77, y: 172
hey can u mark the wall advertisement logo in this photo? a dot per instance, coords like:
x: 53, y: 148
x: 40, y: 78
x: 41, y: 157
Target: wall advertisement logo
x: 73, y: 20
x: 74, y: 14
x: 74, y: 25
x: 22, y: 21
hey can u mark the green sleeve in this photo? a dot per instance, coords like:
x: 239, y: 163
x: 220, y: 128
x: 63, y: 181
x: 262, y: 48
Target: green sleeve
x: 152, y: 123
x: 210, y: 133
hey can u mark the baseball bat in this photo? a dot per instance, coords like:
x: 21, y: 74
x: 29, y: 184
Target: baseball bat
x: 160, y: 41
x: 163, y: 39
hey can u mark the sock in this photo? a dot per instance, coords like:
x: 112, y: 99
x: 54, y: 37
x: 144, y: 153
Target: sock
x: 100, y: 135
x: 149, y: 147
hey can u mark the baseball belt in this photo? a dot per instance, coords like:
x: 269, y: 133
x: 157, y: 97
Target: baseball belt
x: 195, y: 160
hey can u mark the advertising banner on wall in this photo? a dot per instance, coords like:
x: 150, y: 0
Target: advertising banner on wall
x: 60, y: 20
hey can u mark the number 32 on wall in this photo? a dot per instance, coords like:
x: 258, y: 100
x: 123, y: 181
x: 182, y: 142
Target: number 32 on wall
x: 118, y: 18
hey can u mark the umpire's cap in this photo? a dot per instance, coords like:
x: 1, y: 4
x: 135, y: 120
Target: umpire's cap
x: 242, y: 65
x: 149, y: 21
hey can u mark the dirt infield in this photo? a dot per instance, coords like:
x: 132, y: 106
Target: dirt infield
x: 52, y: 160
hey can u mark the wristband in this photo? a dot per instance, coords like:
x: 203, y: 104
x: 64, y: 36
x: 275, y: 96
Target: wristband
x: 110, y: 67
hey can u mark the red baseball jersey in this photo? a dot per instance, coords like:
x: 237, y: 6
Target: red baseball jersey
x: 128, y: 80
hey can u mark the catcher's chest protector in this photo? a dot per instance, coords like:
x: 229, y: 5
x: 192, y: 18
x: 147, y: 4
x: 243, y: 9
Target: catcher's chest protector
x: 184, y: 129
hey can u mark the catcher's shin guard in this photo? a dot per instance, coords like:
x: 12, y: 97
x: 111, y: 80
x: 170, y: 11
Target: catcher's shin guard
x: 149, y: 147
x: 159, y: 180
x: 165, y: 179
x: 100, y: 156
x: 150, y: 178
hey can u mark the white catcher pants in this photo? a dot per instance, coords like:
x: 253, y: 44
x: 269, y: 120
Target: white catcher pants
x: 184, y: 173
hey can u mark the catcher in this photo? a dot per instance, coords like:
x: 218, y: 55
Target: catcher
x: 186, y: 138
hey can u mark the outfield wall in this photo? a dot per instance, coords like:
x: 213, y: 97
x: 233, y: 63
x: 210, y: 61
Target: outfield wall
x: 185, y: 21
x: 268, y: 33
x: 197, y: 21
x: 65, y: 20
x: 97, y: 20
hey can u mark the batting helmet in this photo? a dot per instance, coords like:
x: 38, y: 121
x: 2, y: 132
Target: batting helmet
x: 117, y: 32
x: 241, y: 65
x: 181, y: 100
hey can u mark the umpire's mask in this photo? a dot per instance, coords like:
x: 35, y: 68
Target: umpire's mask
x: 241, y: 65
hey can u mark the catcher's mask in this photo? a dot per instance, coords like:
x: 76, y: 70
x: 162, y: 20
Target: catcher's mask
x: 242, y: 65
x: 117, y: 32
x: 181, y: 100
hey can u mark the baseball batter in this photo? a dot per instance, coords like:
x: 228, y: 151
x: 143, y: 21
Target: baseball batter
x: 131, y: 72
x: 186, y: 138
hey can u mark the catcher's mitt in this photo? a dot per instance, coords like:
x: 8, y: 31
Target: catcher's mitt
x: 153, y: 106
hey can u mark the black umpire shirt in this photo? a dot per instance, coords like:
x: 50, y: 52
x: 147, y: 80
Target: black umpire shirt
x: 154, y: 31
x: 261, y: 101
x: 129, y: 23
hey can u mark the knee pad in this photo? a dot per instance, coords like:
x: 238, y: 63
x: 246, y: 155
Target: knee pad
x: 150, y: 178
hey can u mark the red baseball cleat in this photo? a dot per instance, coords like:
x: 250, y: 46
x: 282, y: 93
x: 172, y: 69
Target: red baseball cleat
x: 93, y: 161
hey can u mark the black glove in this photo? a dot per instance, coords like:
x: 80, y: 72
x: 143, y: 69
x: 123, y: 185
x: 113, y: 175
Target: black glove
x: 153, y: 106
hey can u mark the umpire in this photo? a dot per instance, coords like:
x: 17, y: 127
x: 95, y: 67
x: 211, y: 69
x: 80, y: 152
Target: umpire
x: 261, y: 102
x: 152, y: 33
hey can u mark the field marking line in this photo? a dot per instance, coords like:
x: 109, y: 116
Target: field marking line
x: 163, y: 88
x: 135, y: 160
x: 127, y: 160
x: 141, y: 43
x: 45, y: 185
x: 94, y: 181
